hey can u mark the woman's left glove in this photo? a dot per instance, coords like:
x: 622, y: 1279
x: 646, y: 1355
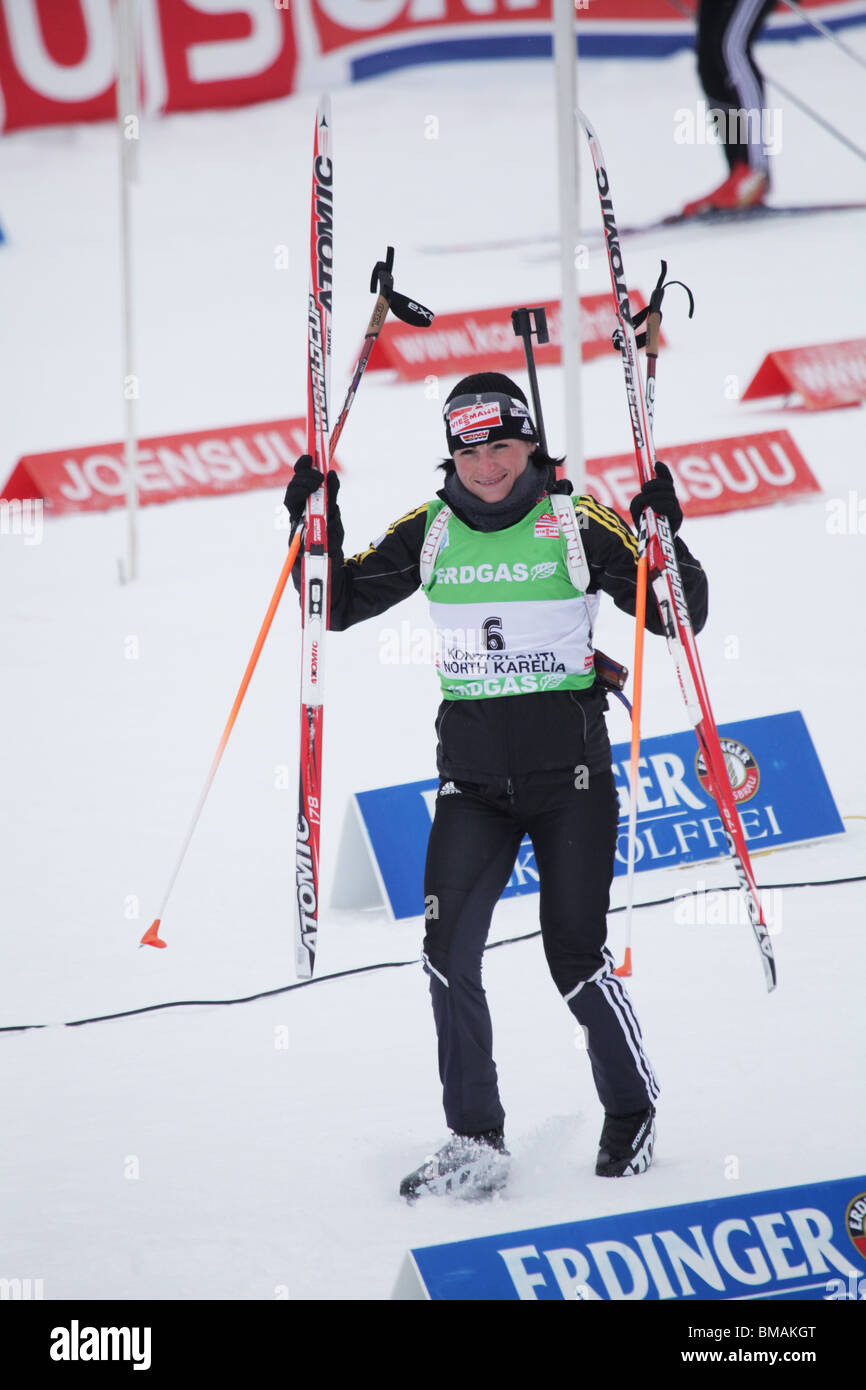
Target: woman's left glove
x: 305, y: 481
x: 659, y: 494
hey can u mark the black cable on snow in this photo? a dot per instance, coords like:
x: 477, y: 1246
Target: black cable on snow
x: 210, y: 1003
x: 387, y: 965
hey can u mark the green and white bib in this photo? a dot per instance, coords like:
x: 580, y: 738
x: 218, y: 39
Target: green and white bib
x: 510, y: 616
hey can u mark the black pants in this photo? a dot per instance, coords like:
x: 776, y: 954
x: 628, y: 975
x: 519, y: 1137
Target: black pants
x: 473, y: 844
x: 729, y: 74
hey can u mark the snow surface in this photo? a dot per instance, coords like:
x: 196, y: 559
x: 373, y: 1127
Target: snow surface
x: 268, y: 1138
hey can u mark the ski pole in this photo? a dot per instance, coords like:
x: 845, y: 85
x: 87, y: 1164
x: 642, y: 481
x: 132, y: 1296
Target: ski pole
x: 821, y: 28
x: 525, y: 323
x: 409, y: 312
x: 637, y: 688
x: 654, y: 320
x: 387, y: 298
x: 653, y: 316
x: 524, y: 328
x: 151, y: 936
x: 816, y: 117
x: 612, y: 674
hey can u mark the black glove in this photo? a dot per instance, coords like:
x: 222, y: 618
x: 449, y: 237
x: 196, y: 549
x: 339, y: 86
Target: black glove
x: 304, y: 483
x: 659, y: 494
x: 563, y: 485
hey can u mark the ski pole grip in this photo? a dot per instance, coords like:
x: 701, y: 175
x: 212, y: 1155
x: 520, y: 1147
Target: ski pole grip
x: 653, y: 332
x: 378, y: 317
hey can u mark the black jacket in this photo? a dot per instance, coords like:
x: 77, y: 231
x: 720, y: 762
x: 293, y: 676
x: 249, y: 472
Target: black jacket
x: 497, y: 741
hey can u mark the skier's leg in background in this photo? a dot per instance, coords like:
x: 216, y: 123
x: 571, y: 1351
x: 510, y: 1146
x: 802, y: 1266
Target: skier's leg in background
x: 746, y: 83
x: 470, y: 855
x: 714, y: 16
x: 758, y: 148
x: 734, y: 87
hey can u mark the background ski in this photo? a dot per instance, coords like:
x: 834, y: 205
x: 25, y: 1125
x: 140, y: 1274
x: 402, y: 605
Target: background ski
x: 315, y: 573
x: 666, y: 583
x: 761, y: 212
x: 589, y: 235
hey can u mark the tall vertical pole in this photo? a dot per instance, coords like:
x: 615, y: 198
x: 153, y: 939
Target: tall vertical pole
x: 128, y: 126
x: 565, y: 68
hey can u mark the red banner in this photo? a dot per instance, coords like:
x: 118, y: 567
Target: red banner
x: 339, y: 23
x: 169, y: 467
x: 342, y: 22
x: 824, y: 375
x: 716, y: 475
x: 57, y: 60
x: 57, y: 56
x: 461, y: 343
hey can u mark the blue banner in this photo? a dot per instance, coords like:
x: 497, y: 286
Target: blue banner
x: 787, y: 1243
x: 657, y: 35
x: 778, y: 782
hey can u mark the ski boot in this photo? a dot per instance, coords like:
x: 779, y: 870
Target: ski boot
x: 626, y: 1144
x: 469, y: 1166
x: 743, y: 188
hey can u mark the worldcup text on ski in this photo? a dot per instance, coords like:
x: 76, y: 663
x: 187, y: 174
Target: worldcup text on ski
x: 710, y: 125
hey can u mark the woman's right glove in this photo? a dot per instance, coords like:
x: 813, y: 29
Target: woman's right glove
x: 305, y: 481
x: 658, y: 493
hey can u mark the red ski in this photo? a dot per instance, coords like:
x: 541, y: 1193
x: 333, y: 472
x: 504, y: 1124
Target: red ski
x: 666, y: 582
x: 315, y: 574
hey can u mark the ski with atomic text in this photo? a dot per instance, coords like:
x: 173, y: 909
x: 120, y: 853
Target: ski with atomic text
x: 315, y: 573
x: 666, y: 581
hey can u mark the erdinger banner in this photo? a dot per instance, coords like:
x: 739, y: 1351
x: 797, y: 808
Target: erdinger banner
x: 459, y: 343
x: 715, y: 475
x: 787, y: 1243
x: 201, y: 464
x: 778, y: 783
x: 824, y: 376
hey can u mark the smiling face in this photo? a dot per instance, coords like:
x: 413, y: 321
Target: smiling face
x: 489, y: 471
